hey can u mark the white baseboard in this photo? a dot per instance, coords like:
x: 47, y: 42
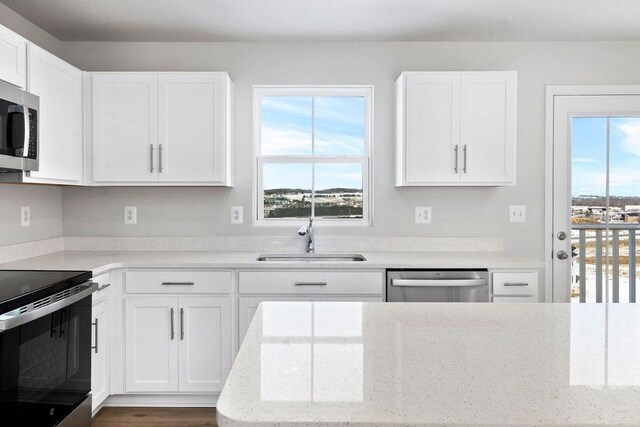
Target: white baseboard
x: 162, y: 400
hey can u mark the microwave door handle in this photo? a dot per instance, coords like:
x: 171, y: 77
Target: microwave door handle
x: 27, y: 131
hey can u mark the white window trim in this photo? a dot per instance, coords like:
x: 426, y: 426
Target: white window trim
x: 366, y: 159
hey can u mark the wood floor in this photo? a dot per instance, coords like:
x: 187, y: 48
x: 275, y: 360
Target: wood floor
x: 150, y: 417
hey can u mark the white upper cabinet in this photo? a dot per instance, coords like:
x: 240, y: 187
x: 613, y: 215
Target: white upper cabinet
x: 488, y: 127
x: 59, y: 86
x: 13, y: 57
x: 456, y: 128
x: 161, y: 129
x: 193, y: 127
x: 125, y: 127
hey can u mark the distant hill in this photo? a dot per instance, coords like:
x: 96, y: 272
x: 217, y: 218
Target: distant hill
x: 614, y: 201
x: 300, y: 190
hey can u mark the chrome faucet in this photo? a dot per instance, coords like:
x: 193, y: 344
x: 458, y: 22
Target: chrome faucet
x: 308, y: 231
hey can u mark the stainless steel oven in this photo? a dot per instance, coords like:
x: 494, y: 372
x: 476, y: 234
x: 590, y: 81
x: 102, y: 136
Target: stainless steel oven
x: 18, y: 129
x: 437, y: 286
x: 45, y: 349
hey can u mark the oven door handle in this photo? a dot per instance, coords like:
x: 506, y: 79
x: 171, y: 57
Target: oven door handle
x: 14, y: 318
x: 446, y: 283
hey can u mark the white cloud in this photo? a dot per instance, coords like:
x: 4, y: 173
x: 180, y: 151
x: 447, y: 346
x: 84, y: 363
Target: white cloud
x: 631, y: 142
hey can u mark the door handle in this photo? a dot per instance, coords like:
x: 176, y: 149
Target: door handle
x: 464, y: 158
x: 95, y: 325
x: 562, y: 255
x: 455, y: 165
x: 181, y: 324
x: 151, y: 156
x: 160, y: 158
x: 562, y: 235
x: 173, y: 332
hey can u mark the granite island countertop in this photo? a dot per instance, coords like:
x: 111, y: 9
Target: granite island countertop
x: 102, y: 261
x: 321, y: 364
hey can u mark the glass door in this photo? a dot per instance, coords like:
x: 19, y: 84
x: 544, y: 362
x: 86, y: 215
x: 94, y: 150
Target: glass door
x: 596, y: 198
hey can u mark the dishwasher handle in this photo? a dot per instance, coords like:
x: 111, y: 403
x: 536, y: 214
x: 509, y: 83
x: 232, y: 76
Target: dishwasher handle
x: 448, y: 283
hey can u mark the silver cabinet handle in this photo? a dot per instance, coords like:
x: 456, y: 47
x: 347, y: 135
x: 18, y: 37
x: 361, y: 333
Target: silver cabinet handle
x: 464, y: 158
x: 455, y: 165
x: 516, y: 284
x: 178, y: 283
x: 151, y: 156
x: 311, y: 283
x: 173, y: 332
x: 95, y: 325
x: 160, y: 158
x: 181, y: 324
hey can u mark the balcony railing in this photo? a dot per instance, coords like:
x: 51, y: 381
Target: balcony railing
x: 595, y: 253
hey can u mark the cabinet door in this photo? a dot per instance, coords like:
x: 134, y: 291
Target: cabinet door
x: 13, y: 57
x: 205, y: 343
x: 432, y: 128
x: 488, y: 127
x: 191, y: 127
x: 247, y: 308
x: 125, y: 127
x: 59, y: 86
x: 100, y: 339
x: 151, y: 344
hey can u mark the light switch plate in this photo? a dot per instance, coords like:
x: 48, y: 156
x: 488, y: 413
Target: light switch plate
x: 423, y: 215
x: 517, y: 213
x: 130, y: 215
x: 25, y: 216
x: 236, y: 215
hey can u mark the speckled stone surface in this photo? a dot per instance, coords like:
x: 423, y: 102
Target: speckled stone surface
x: 321, y: 364
x: 102, y: 261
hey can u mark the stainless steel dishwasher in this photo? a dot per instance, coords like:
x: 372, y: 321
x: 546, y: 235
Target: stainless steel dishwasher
x: 437, y: 286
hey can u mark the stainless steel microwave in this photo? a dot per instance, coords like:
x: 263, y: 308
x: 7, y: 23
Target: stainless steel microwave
x: 18, y: 129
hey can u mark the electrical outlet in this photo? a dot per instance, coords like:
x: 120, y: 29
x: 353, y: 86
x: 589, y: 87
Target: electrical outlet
x: 423, y: 215
x: 517, y: 213
x: 236, y: 215
x: 130, y: 215
x: 25, y: 216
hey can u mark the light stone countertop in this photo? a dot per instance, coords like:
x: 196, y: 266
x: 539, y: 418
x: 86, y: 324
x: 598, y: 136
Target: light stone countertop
x: 103, y: 261
x: 384, y: 364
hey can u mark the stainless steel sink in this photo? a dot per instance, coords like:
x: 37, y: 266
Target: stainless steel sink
x: 312, y: 257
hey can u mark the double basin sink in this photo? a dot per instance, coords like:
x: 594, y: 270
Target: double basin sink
x: 311, y: 257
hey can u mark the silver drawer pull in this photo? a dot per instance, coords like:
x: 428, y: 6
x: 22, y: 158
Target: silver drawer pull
x: 516, y: 284
x: 311, y: 283
x: 178, y: 283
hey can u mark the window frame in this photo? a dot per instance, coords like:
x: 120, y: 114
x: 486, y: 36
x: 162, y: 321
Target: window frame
x: 365, y: 159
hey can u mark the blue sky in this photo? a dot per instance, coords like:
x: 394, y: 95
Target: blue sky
x: 287, y: 129
x: 589, y: 154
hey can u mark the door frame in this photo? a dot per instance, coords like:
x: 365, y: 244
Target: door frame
x: 551, y: 92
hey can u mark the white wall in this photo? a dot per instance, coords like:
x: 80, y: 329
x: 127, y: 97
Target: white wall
x: 456, y: 211
x: 45, y: 203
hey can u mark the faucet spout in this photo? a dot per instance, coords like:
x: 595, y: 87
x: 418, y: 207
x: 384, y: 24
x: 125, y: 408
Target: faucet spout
x: 308, y: 231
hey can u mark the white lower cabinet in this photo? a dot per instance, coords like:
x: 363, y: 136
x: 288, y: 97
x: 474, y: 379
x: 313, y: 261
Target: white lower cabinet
x: 509, y: 286
x: 100, y: 346
x: 177, y: 344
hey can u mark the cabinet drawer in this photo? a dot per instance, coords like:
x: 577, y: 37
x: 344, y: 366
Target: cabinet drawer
x: 520, y: 283
x: 311, y: 282
x: 181, y: 282
x: 515, y: 299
